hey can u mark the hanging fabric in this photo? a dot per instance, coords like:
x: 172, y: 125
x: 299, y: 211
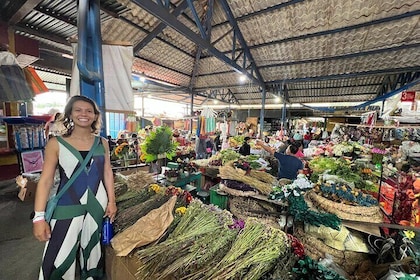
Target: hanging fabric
x: 198, y: 127
x: 210, y: 120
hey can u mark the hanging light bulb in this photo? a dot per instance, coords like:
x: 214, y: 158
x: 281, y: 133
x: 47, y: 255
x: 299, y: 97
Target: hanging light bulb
x: 242, y: 78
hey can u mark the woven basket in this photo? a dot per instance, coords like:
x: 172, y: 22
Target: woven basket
x: 316, y: 249
x: 243, y: 208
x: 347, y: 212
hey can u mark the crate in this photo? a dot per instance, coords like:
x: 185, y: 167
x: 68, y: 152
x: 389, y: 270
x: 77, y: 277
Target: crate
x: 218, y: 199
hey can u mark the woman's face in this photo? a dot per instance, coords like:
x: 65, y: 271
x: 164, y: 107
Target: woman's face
x: 83, y: 114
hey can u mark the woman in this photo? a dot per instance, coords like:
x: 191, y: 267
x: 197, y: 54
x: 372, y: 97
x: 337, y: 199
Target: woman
x: 75, y: 228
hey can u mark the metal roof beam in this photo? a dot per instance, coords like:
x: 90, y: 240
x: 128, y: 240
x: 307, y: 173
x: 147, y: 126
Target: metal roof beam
x: 197, y: 19
x: 171, y: 21
x: 337, y: 87
x: 344, y: 56
x: 18, y: 10
x: 391, y: 82
x: 206, y: 29
x: 54, y: 14
x: 178, y: 10
x: 224, y: 95
x: 266, y: 10
x: 41, y: 34
x: 348, y: 75
x: 242, y: 41
x: 166, y: 67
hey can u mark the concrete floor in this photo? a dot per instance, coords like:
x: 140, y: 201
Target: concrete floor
x: 20, y: 252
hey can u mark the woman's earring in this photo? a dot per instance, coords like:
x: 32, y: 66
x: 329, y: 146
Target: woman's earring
x: 71, y: 123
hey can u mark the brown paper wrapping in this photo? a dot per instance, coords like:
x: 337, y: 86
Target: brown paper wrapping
x: 146, y: 230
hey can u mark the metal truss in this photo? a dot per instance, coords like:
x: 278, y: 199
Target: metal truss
x: 223, y: 95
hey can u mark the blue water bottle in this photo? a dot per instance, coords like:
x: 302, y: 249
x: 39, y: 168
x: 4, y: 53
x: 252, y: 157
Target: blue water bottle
x: 107, y: 231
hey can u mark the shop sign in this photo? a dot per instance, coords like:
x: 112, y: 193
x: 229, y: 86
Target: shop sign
x: 408, y: 96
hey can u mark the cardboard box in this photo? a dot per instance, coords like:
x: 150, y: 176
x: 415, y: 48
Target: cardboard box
x: 28, y: 193
x: 27, y: 188
x: 118, y: 268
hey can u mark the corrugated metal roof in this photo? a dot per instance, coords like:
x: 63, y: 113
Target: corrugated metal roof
x: 310, y: 50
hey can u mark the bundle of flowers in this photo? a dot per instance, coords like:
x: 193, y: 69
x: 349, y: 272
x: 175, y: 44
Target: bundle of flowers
x: 123, y: 151
x: 342, y: 149
x: 378, y: 154
x: 230, y: 172
x: 346, y: 194
x: 307, y: 268
x: 159, y: 142
x: 254, y: 252
x: 201, y: 237
x: 136, y: 181
x: 158, y: 196
x: 298, y: 208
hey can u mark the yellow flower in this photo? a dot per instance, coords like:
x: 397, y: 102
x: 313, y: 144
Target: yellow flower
x: 181, y: 210
x: 154, y: 187
x: 409, y: 234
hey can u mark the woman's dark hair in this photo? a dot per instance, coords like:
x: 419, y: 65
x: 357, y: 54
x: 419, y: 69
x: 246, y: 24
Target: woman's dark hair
x: 96, y: 125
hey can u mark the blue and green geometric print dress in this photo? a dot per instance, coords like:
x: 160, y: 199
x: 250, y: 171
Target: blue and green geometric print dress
x: 77, y: 220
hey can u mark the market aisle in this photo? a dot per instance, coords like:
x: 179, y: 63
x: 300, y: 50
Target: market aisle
x: 20, y: 252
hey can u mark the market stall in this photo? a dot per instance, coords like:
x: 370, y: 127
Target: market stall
x: 331, y: 222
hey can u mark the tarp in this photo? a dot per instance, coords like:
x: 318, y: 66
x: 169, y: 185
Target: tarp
x: 34, y: 81
x: 13, y: 85
x: 117, y: 64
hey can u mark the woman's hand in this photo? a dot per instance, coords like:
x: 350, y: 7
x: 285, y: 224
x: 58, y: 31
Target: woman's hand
x: 42, y: 230
x: 111, y: 211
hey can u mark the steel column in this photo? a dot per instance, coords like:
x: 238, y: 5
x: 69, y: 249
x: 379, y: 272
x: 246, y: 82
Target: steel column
x: 89, y: 60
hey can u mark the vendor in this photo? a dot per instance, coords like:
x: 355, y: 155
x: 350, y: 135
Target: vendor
x: 245, y: 149
x: 289, y: 165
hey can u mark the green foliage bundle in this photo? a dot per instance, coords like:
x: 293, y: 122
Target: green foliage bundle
x: 159, y: 142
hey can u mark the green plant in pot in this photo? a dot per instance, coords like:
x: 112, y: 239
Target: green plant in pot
x: 159, y: 145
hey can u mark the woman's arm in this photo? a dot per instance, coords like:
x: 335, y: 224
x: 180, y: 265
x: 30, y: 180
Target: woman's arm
x: 41, y: 228
x: 111, y: 209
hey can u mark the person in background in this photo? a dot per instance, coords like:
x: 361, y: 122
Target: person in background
x: 299, y: 153
x: 217, y: 142
x: 111, y: 143
x: 306, y: 139
x: 245, y: 149
x: 289, y: 165
x: 200, y: 147
x: 53, y: 127
x: 297, y: 136
x: 121, y: 139
x: 74, y: 231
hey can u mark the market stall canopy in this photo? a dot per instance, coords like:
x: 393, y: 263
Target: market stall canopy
x: 13, y: 85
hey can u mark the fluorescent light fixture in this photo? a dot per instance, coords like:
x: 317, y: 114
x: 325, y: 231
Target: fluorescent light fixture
x: 215, y: 101
x: 69, y: 56
x: 277, y: 99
